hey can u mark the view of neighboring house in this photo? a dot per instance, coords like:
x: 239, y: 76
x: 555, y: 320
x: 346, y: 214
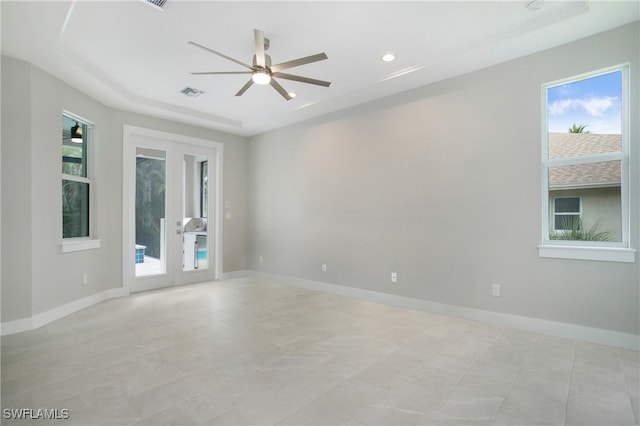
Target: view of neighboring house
x: 588, y: 192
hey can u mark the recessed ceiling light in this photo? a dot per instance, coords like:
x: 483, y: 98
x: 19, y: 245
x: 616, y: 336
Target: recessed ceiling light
x: 292, y: 94
x: 388, y: 57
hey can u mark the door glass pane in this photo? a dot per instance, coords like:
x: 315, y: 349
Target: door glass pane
x: 151, y: 172
x: 195, y: 226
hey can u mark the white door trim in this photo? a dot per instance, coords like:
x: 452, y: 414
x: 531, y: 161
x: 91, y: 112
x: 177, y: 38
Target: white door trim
x: 130, y: 133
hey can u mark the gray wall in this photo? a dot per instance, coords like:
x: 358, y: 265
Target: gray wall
x: 442, y: 185
x: 56, y: 277
x: 16, y: 189
x: 36, y: 276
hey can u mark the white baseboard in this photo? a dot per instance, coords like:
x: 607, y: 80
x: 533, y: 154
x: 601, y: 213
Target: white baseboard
x: 235, y: 274
x: 31, y: 323
x: 44, y: 318
x: 572, y: 331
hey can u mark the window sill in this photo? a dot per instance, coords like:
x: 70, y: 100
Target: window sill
x: 605, y: 254
x: 79, y: 245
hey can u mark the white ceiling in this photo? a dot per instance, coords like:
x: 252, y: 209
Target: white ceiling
x: 135, y: 57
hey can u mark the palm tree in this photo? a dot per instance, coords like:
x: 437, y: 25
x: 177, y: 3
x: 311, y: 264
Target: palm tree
x: 578, y: 128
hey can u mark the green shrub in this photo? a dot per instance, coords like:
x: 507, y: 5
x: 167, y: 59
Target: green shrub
x: 575, y: 232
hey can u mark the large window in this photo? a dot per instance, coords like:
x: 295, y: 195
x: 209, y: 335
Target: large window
x: 76, y: 181
x: 585, y: 167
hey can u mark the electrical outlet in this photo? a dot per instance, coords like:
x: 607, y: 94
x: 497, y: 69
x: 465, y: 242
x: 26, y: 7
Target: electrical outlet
x: 85, y: 279
x: 496, y: 290
x: 324, y: 267
x: 260, y: 258
x: 394, y: 277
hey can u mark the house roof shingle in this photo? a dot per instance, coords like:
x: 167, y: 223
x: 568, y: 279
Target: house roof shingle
x: 565, y: 145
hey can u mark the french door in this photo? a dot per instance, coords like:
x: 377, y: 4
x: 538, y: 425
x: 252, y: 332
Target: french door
x: 171, y: 209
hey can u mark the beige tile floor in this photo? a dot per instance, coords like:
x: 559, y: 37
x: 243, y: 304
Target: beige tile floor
x: 243, y: 351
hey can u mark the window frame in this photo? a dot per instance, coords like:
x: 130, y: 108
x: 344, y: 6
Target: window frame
x: 73, y: 244
x: 618, y: 251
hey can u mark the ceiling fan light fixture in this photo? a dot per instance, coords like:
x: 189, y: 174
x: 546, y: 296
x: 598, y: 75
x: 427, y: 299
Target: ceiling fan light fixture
x: 76, y: 133
x: 263, y: 72
x: 261, y: 77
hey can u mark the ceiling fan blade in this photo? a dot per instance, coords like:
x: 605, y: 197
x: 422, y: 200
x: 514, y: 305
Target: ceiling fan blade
x: 259, y: 40
x: 280, y: 89
x: 245, y: 87
x: 301, y: 79
x: 222, y: 72
x: 298, y: 62
x: 222, y: 55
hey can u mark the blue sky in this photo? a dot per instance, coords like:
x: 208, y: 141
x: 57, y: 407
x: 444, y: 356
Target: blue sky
x: 594, y: 102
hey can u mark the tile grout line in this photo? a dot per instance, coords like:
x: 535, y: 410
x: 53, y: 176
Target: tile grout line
x: 354, y: 417
x: 626, y: 385
x: 462, y: 377
x: 566, y: 404
x: 142, y: 418
x: 324, y: 393
x: 515, y: 379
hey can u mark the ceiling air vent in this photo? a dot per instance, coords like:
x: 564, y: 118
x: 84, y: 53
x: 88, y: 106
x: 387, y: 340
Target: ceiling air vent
x: 158, y: 4
x: 191, y: 92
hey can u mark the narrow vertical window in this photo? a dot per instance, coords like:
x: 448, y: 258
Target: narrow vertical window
x: 585, y: 162
x: 76, y: 182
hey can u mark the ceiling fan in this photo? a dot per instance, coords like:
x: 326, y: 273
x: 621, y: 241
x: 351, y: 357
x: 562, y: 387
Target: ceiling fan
x: 263, y: 72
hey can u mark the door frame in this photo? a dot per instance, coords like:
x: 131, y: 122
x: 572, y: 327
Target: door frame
x: 164, y: 140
